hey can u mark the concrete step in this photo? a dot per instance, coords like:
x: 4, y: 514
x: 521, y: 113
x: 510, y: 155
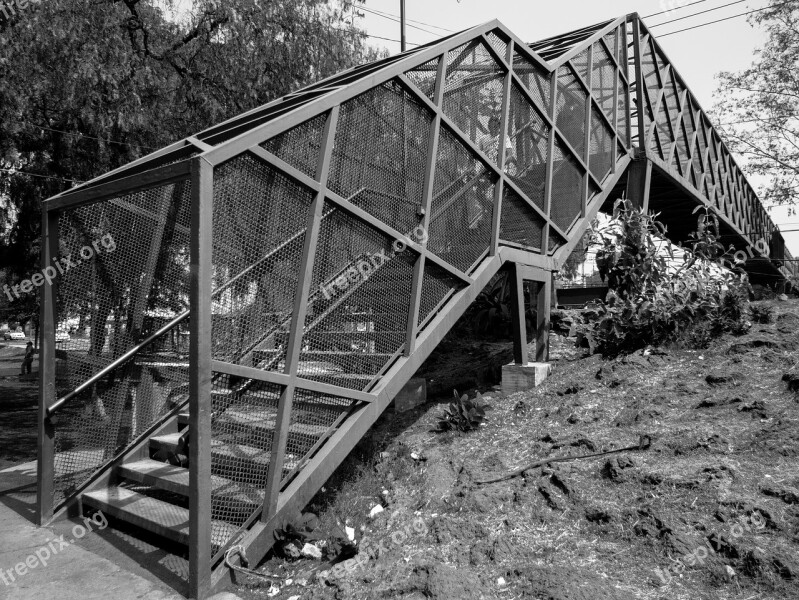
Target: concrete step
x: 164, y: 519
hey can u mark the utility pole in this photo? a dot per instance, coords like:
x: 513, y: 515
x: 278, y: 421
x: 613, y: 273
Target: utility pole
x: 402, y: 25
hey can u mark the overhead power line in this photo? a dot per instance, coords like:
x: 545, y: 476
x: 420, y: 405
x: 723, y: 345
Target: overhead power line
x: 18, y: 172
x: 698, y: 13
x: 664, y: 12
x: 383, y: 12
x: 397, y: 20
x: 720, y: 20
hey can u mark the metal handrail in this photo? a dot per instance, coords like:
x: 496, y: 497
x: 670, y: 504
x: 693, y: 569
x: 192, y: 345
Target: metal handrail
x: 118, y: 362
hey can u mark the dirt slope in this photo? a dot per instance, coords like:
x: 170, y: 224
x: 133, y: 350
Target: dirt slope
x: 711, y: 510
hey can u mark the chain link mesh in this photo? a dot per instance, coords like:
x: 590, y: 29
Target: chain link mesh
x: 462, y: 206
x: 473, y: 95
x: 98, y: 424
x: 572, y: 104
x: 380, y: 154
x: 527, y: 164
x: 519, y: 223
x: 425, y: 76
x: 260, y: 217
x: 567, y: 188
x: 603, y: 80
x: 437, y: 284
x: 359, y: 303
x: 300, y: 145
x: 580, y: 63
x: 534, y: 78
x: 498, y: 43
x: 601, y: 154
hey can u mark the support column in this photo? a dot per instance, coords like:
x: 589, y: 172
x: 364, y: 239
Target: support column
x: 639, y: 182
x: 523, y: 375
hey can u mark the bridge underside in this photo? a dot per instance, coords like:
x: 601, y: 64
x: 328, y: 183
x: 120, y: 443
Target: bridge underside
x: 276, y: 279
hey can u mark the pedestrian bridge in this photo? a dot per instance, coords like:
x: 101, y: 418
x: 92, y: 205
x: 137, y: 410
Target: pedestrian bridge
x: 278, y: 278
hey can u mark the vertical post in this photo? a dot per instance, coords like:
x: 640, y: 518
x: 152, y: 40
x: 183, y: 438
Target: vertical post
x: 589, y: 117
x: 47, y: 373
x: 518, y: 325
x: 200, y: 379
x: 499, y: 188
x: 542, y: 325
x: 553, y: 95
x: 640, y: 91
x: 639, y: 181
x: 426, y: 208
x: 274, y: 475
x: 403, y: 43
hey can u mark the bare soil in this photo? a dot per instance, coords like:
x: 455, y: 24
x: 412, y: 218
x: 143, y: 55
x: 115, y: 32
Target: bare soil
x: 709, y: 511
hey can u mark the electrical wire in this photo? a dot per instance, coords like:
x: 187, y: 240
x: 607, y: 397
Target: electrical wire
x: 390, y: 14
x: 719, y: 20
x: 396, y: 20
x: 90, y: 137
x: 699, y: 13
x: 663, y: 12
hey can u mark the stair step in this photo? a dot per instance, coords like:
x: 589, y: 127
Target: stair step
x: 164, y: 519
x: 222, y: 449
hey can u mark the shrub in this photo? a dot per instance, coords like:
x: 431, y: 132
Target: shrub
x: 462, y: 414
x: 762, y: 313
x: 657, y: 296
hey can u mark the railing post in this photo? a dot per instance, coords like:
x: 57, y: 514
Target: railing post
x: 200, y: 380
x: 47, y: 372
x: 542, y: 325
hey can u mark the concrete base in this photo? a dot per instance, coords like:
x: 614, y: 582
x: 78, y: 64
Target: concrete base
x: 518, y: 378
x: 413, y: 394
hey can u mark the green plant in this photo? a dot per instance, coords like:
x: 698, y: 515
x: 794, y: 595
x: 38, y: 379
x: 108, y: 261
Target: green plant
x: 762, y: 313
x: 659, y: 293
x: 463, y: 414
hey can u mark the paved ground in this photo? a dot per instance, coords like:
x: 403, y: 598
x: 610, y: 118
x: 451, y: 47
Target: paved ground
x: 100, y: 564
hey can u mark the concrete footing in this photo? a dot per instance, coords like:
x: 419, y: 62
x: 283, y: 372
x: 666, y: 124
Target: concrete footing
x: 517, y: 378
x: 413, y: 394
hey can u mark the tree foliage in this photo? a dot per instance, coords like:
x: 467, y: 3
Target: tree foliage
x: 759, y: 106
x: 88, y: 87
x: 659, y: 293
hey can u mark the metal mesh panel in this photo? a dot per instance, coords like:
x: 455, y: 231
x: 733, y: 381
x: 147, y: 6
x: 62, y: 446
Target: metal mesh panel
x: 530, y: 142
x: 610, y: 41
x: 299, y: 146
x: 499, y: 44
x: 603, y: 80
x: 519, y: 223
x: 567, y: 188
x: 580, y: 63
x: 650, y: 70
x: 601, y: 154
x: 313, y: 417
x: 572, y: 104
x: 473, y: 95
x: 436, y: 285
x: 123, y: 271
x: 555, y: 242
x: 622, y: 48
x: 462, y: 206
x: 380, y: 154
x: 244, y: 416
x: 359, y: 303
x: 425, y: 77
x: 664, y: 130
x: 534, y: 78
x: 98, y: 424
x: 259, y: 221
x: 682, y: 146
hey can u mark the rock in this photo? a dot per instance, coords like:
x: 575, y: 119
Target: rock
x: 350, y: 533
x: 787, y: 494
x: 311, y: 551
x: 793, y: 381
x: 225, y: 596
x: 783, y: 297
x: 597, y: 515
x: 376, y: 510
x: 719, y: 377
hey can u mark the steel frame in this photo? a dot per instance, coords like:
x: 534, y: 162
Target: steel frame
x: 200, y: 155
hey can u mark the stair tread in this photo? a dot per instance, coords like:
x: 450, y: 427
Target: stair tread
x: 175, y: 479
x: 162, y: 518
x: 242, y: 416
x: 227, y: 449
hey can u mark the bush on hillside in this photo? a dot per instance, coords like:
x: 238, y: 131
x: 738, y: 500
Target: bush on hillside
x: 659, y: 293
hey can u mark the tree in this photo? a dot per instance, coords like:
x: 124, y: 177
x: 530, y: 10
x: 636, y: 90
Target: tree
x: 759, y: 107
x: 85, y: 88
